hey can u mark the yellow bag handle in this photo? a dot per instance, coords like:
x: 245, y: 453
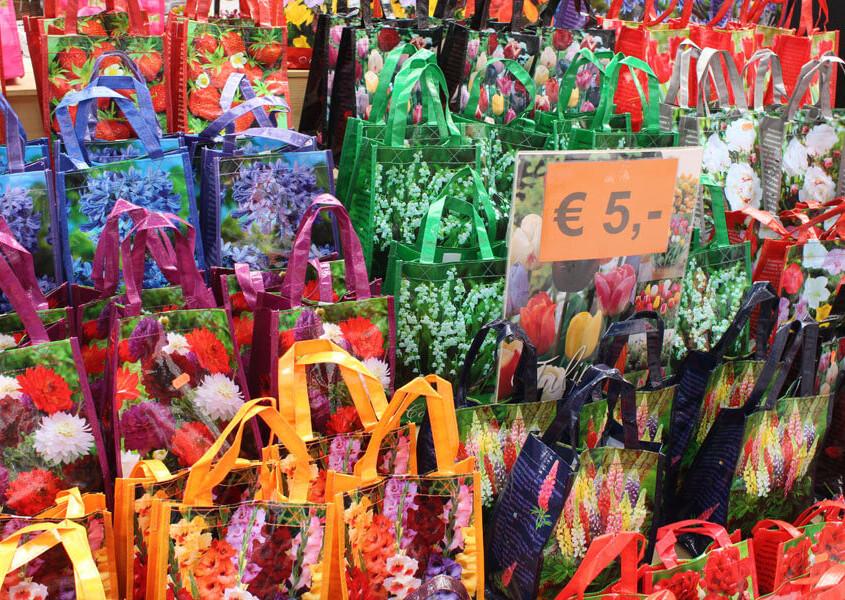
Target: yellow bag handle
x: 71, y: 504
x: 73, y: 537
x: 365, y: 388
x: 203, y: 477
x: 444, y: 428
x: 150, y: 469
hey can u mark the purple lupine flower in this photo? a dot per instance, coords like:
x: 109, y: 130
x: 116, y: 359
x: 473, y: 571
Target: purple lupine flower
x: 145, y: 338
x: 147, y: 426
x: 632, y: 488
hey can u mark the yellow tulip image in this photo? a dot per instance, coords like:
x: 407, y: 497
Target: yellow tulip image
x: 371, y: 80
x: 498, y: 104
x: 541, y: 74
x: 584, y: 332
x: 573, y: 98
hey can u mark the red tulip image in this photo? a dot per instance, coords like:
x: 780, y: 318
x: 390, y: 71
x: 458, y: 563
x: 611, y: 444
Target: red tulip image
x: 614, y: 289
x: 538, y: 321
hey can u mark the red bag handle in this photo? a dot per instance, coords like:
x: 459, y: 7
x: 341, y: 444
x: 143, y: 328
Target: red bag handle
x: 137, y: 19
x: 803, y: 232
x: 825, y: 508
x: 769, y: 524
x: 627, y: 545
x: 667, y: 538
x: 648, y: 21
x: 726, y: 7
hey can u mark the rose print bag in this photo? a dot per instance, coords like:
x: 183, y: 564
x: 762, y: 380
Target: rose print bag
x: 726, y: 569
x: 439, y: 513
x: 362, y: 321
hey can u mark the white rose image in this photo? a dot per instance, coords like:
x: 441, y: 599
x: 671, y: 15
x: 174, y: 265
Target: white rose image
x: 742, y: 187
x: 818, y: 186
x: 795, y: 158
x: 821, y: 139
x: 741, y: 135
x: 715, y: 158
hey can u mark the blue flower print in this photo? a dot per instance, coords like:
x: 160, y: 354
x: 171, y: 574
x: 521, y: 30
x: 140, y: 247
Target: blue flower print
x: 17, y: 209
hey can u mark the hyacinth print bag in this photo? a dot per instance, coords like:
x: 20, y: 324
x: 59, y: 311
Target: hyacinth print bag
x: 445, y: 290
x: 86, y: 192
x: 252, y: 202
x: 528, y: 508
x: 43, y: 547
x: 271, y: 542
x: 51, y: 427
x: 439, y: 512
x: 89, y: 511
x: 617, y: 485
x: 362, y: 320
x: 726, y: 569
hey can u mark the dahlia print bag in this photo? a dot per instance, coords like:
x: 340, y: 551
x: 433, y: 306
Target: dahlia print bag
x: 439, y: 513
x: 362, y: 321
x: 275, y: 542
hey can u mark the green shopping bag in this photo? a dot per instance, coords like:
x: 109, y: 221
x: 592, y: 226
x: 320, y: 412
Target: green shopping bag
x: 444, y: 293
x: 601, y: 134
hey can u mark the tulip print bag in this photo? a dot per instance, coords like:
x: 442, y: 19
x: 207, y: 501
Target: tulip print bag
x: 363, y: 320
x: 273, y: 542
x: 829, y: 380
x: 437, y: 285
x: 90, y: 512
x: 726, y: 569
x: 439, y: 512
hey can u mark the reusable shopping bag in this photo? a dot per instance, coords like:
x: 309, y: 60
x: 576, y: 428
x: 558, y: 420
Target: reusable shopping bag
x: 363, y: 321
x: 727, y: 568
x: 829, y: 380
x: 36, y: 551
x: 442, y: 291
x: 12, y: 66
x: 784, y: 551
x: 617, y: 485
x: 274, y: 542
x: 439, y: 512
x: 51, y: 429
x: 529, y: 506
x: 89, y: 511
x: 153, y: 8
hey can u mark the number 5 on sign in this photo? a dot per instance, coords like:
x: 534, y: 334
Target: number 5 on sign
x: 598, y: 209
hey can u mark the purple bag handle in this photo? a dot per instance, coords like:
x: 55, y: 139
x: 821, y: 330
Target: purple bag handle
x: 230, y: 116
x: 127, y: 61
x: 106, y: 268
x: 195, y: 293
x: 15, y: 144
x: 22, y: 304
x: 238, y: 81
x: 22, y: 266
x: 356, y: 270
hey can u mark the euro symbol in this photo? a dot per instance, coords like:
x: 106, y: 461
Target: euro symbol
x: 566, y: 214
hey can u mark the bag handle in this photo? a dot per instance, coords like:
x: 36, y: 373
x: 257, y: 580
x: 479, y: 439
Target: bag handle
x: 770, y: 524
x: 239, y: 82
x: 805, y: 79
x: 150, y: 468
x: 828, y: 510
x: 437, y: 586
x: 221, y: 123
x: 357, y: 278
x: 85, y: 101
x: 20, y: 260
x: 667, y: 538
x: 431, y: 227
x: 86, y: 129
x: 138, y: 25
x: 706, y: 67
x: 205, y: 474
x: 365, y: 388
x: 582, y: 58
x: 22, y: 303
x: 444, y: 428
x: 677, y: 92
x: 525, y: 375
x: 768, y: 62
x: 777, y: 367
x: 761, y: 294
x: 650, y: 104
x: 15, y: 138
x: 71, y: 504
x: 629, y: 546
x: 616, y: 337
x: 74, y: 539
x: 378, y: 110
x: 517, y: 70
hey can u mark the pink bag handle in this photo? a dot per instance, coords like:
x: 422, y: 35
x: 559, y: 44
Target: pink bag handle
x: 353, y: 256
x: 133, y: 250
x: 252, y: 283
x: 22, y: 303
x: 769, y: 524
x: 22, y: 266
x: 830, y: 510
x: 137, y: 19
x: 667, y: 538
x: 627, y: 545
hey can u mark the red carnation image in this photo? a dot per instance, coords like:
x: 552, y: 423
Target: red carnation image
x: 190, y: 442
x: 345, y: 420
x: 210, y: 351
x: 725, y: 572
x: 683, y: 584
x: 33, y: 491
x: 830, y: 541
x: 49, y: 392
x: 797, y: 559
x: 364, y: 337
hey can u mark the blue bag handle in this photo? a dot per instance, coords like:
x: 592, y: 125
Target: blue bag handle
x: 296, y: 141
x: 85, y: 100
x: 235, y: 82
x: 230, y: 116
x: 15, y: 144
x: 127, y: 61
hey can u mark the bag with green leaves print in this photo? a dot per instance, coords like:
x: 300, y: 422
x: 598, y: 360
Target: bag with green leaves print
x: 444, y: 291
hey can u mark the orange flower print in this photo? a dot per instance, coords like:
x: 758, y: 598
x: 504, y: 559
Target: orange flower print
x: 48, y: 391
x: 94, y: 359
x: 243, y: 329
x: 127, y: 387
x: 364, y: 337
x: 215, y: 572
x: 210, y: 351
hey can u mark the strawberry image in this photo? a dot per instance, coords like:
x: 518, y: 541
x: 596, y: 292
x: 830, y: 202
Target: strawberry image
x: 112, y: 130
x: 232, y: 43
x: 276, y: 83
x: 204, y: 102
x: 205, y: 44
x: 92, y: 28
x: 244, y: 122
x: 148, y: 59
x: 158, y: 94
x: 221, y: 75
x: 71, y: 57
x: 100, y: 49
x: 253, y: 72
x: 59, y: 84
x: 266, y: 48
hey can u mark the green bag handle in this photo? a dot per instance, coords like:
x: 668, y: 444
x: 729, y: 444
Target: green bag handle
x: 516, y: 70
x: 391, y: 64
x: 432, y: 83
x: 651, y: 105
x: 720, y: 224
x: 583, y: 57
x: 480, y: 196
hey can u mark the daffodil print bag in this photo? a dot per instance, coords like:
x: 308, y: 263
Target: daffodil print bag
x: 399, y: 532
x: 274, y: 542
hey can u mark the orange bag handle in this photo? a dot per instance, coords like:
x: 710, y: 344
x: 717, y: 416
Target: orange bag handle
x: 203, y: 477
x: 71, y: 504
x: 627, y: 545
x: 150, y: 469
x: 825, y: 509
x: 364, y: 387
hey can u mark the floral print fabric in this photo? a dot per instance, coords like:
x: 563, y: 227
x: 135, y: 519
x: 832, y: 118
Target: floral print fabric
x: 49, y: 428
x: 178, y: 382
x: 722, y: 573
x: 811, y: 279
x: 821, y: 546
x: 812, y: 162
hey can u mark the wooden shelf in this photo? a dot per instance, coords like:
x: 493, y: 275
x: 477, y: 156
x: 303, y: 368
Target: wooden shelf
x: 24, y: 99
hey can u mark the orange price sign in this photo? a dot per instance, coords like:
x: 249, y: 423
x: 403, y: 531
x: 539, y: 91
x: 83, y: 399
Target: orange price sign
x: 599, y: 209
